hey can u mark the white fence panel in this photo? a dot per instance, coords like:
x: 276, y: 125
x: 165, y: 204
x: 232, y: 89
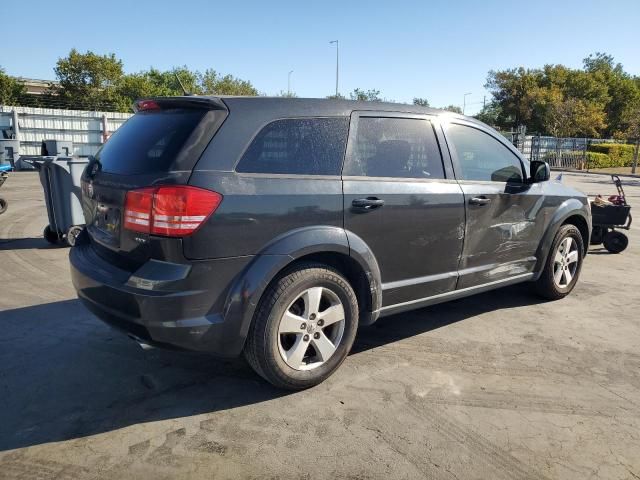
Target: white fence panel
x: 83, y: 128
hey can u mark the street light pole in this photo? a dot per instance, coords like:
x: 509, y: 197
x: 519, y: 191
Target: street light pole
x: 289, y: 83
x: 337, y: 62
x: 464, y: 102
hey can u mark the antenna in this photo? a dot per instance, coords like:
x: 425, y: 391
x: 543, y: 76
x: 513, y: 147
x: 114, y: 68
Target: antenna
x: 184, y: 90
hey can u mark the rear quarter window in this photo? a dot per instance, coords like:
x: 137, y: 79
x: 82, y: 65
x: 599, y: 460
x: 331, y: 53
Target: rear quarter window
x: 148, y: 142
x: 298, y: 146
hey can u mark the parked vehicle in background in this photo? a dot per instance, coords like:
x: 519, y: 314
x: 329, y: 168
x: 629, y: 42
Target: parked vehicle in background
x: 276, y: 227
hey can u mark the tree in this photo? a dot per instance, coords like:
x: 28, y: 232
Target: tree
x: 368, y: 96
x: 336, y: 97
x: 157, y: 83
x: 622, y: 88
x: 284, y: 94
x: 88, y: 80
x: 170, y: 82
x: 514, y: 91
x: 453, y: 108
x: 212, y: 83
x: 423, y: 102
x: 631, y: 122
x: 559, y: 100
x: 489, y: 114
x: 571, y: 117
x: 11, y: 91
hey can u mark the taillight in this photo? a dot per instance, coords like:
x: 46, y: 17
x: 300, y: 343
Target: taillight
x: 173, y: 211
x: 146, y: 105
x: 137, y: 210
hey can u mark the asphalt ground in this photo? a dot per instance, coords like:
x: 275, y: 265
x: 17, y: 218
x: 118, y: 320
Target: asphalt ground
x: 497, y: 386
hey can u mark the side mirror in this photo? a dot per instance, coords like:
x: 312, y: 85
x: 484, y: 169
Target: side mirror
x: 539, y: 171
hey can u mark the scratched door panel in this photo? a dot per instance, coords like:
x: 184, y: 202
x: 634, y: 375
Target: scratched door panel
x: 501, y: 236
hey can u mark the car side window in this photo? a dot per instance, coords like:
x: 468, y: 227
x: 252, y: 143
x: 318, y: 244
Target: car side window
x: 302, y: 146
x: 482, y: 157
x: 395, y: 147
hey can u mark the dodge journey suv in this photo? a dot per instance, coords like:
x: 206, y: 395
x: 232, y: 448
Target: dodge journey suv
x: 275, y: 227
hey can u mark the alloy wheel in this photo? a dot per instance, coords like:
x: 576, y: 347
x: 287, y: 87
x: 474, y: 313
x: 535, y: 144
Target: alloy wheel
x: 565, y: 263
x: 311, y: 329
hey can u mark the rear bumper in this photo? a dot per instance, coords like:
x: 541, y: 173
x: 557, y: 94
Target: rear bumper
x: 165, y: 304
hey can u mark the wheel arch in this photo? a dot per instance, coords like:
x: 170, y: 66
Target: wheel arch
x: 571, y: 211
x: 581, y: 224
x: 328, y: 245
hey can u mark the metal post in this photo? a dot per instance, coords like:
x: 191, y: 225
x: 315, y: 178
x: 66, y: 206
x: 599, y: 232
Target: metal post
x: 464, y: 102
x: 16, y: 125
x: 105, y: 128
x: 16, y: 136
x: 289, y: 83
x: 337, y: 62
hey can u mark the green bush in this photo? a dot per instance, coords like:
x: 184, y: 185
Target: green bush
x: 620, y: 154
x: 601, y: 160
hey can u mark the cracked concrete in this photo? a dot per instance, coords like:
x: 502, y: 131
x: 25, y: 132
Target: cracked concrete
x: 498, y: 386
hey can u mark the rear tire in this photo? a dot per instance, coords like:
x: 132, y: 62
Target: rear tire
x: 563, y: 264
x: 292, y: 343
x: 3, y: 205
x: 615, y: 241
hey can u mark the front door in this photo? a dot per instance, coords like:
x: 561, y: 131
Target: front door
x: 400, y: 201
x: 504, y: 213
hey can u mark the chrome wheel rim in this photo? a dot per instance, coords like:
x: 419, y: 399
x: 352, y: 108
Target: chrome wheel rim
x: 311, y: 329
x: 565, y: 262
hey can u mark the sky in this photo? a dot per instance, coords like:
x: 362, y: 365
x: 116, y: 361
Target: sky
x: 437, y: 50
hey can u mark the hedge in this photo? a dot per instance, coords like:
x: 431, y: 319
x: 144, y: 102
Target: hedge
x: 601, y: 160
x: 621, y: 154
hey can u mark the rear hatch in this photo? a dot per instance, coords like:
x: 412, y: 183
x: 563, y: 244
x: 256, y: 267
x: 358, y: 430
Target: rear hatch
x: 159, y: 145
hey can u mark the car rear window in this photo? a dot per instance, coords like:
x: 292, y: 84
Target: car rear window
x: 302, y: 146
x: 148, y: 142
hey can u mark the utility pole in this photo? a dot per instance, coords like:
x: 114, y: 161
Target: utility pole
x: 289, y: 83
x: 464, y: 101
x: 337, y: 61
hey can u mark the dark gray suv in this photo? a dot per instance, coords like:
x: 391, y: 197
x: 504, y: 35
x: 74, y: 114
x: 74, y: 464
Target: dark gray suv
x: 275, y: 227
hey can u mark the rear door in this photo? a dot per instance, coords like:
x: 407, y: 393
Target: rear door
x: 401, y: 199
x: 504, y: 213
x: 158, y: 145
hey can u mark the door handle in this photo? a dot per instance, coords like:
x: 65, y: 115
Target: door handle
x: 479, y: 201
x: 367, y: 203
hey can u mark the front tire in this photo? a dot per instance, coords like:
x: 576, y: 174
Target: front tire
x: 304, y: 327
x: 563, y: 265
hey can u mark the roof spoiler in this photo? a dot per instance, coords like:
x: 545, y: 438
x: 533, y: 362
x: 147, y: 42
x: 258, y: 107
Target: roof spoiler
x: 161, y: 103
